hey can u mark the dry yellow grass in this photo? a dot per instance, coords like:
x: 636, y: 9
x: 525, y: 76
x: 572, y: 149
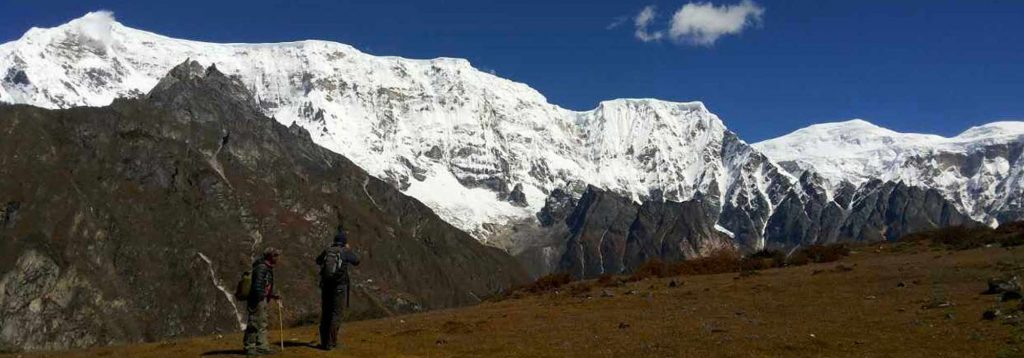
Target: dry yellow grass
x: 818, y: 310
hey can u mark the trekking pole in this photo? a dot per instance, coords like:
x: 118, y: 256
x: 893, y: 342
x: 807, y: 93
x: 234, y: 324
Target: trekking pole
x: 280, y: 320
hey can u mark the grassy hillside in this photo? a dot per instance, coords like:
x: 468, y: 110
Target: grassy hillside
x: 905, y: 299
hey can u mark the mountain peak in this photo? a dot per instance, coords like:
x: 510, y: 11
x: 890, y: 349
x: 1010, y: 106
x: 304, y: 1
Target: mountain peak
x: 855, y: 124
x: 189, y: 81
x: 94, y: 28
x: 994, y: 129
x: 652, y: 103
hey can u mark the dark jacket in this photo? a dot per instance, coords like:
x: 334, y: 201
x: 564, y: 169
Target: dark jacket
x: 348, y: 257
x: 262, y: 282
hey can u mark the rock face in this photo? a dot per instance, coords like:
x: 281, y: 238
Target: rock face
x: 611, y: 234
x: 876, y: 211
x: 133, y: 222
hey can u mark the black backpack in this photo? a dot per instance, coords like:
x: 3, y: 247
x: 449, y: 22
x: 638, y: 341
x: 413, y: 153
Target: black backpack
x: 333, y: 267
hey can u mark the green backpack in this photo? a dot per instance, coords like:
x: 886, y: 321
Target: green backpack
x: 244, y: 286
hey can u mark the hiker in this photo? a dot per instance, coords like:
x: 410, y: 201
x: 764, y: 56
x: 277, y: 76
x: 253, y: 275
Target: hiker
x: 334, y: 286
x: 260, y: 293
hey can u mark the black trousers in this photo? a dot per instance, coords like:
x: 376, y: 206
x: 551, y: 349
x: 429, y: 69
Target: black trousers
x: 332, y: 302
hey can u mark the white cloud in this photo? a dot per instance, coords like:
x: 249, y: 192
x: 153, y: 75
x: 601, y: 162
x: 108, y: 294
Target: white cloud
x: 699, y: 23
x: 704, y: 23
x: 95, y: 27
x: 642, y: 21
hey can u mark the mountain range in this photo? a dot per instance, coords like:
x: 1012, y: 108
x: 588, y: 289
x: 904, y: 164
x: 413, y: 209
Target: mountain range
x: 495, y: 159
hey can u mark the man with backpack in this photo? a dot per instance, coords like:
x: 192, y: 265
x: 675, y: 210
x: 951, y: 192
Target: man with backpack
x: 261, y: 291
x: 334, y: 286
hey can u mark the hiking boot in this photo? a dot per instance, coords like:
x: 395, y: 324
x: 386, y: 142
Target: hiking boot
x: 260, y: 352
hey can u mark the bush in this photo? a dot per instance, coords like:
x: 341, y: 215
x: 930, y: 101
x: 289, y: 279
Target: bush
x: 580, y: 288
x: 607, y: 280
x: 798, y: 258
x: 718, y: 262
x: 651, y: 269
x: 825, y: 253
x: 764, y: 259
x: 547, y: 283
x: 965, y: 238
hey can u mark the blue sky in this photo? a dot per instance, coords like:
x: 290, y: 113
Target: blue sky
x: 915, y: 65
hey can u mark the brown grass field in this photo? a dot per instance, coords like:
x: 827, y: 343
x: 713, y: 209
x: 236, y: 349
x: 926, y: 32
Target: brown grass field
x: 906, y: 299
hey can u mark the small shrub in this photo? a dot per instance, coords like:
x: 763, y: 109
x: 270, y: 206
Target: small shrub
x: 651, y: 269
x: 825, y: 253
x: 608, y: 280
x: 965, y: 238
x: 718, y: 262
x: 764, y: 259
x: 754, y: 264
x: 547, y: 283
x: 580, y: 288
x: 798, y: 258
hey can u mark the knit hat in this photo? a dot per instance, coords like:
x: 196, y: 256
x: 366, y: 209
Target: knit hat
x: 271, y: 252
x: 340, y: 238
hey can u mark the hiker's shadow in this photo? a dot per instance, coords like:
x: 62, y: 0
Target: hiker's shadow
x: 241, y: 352
x: 227, y: 352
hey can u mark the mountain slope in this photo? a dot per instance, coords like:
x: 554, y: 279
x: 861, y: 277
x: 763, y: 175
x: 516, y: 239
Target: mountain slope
x: 980, y: 170
x: 480, y: 150
x: 487, y: 154
x: 132, y: 222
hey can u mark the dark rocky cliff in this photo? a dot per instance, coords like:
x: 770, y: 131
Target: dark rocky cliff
x: 133, y: 222
x: 609, y: 233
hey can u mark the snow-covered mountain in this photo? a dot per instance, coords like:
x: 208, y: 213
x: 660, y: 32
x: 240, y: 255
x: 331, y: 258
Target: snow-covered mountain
x: 480, y: 150
x: 980, y: 170
x: 487, y: 154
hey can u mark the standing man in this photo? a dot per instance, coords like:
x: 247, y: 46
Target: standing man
x: 260, y: 294
x: 334, y: 286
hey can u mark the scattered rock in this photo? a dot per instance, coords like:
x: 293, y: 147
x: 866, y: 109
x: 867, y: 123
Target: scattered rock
x: 950, y: 316
x: 1010, y: 296
x: 623, y: 325
x: 901, y: 285
x: 607, y: 293
x: 937, y: 304
x: 673, y: 284
x: 842, y: 268
x: 991, y: 314
x: 999, y: 285
x: 631, y: 292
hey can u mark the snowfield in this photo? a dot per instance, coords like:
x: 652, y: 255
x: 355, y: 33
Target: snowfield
x: 472, y: 145
x: 979, y: 169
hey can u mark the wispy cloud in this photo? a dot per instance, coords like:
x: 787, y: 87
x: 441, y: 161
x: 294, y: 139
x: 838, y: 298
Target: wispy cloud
x: 642, y: 21
x: 700, y: 24
x: 618, y: 21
